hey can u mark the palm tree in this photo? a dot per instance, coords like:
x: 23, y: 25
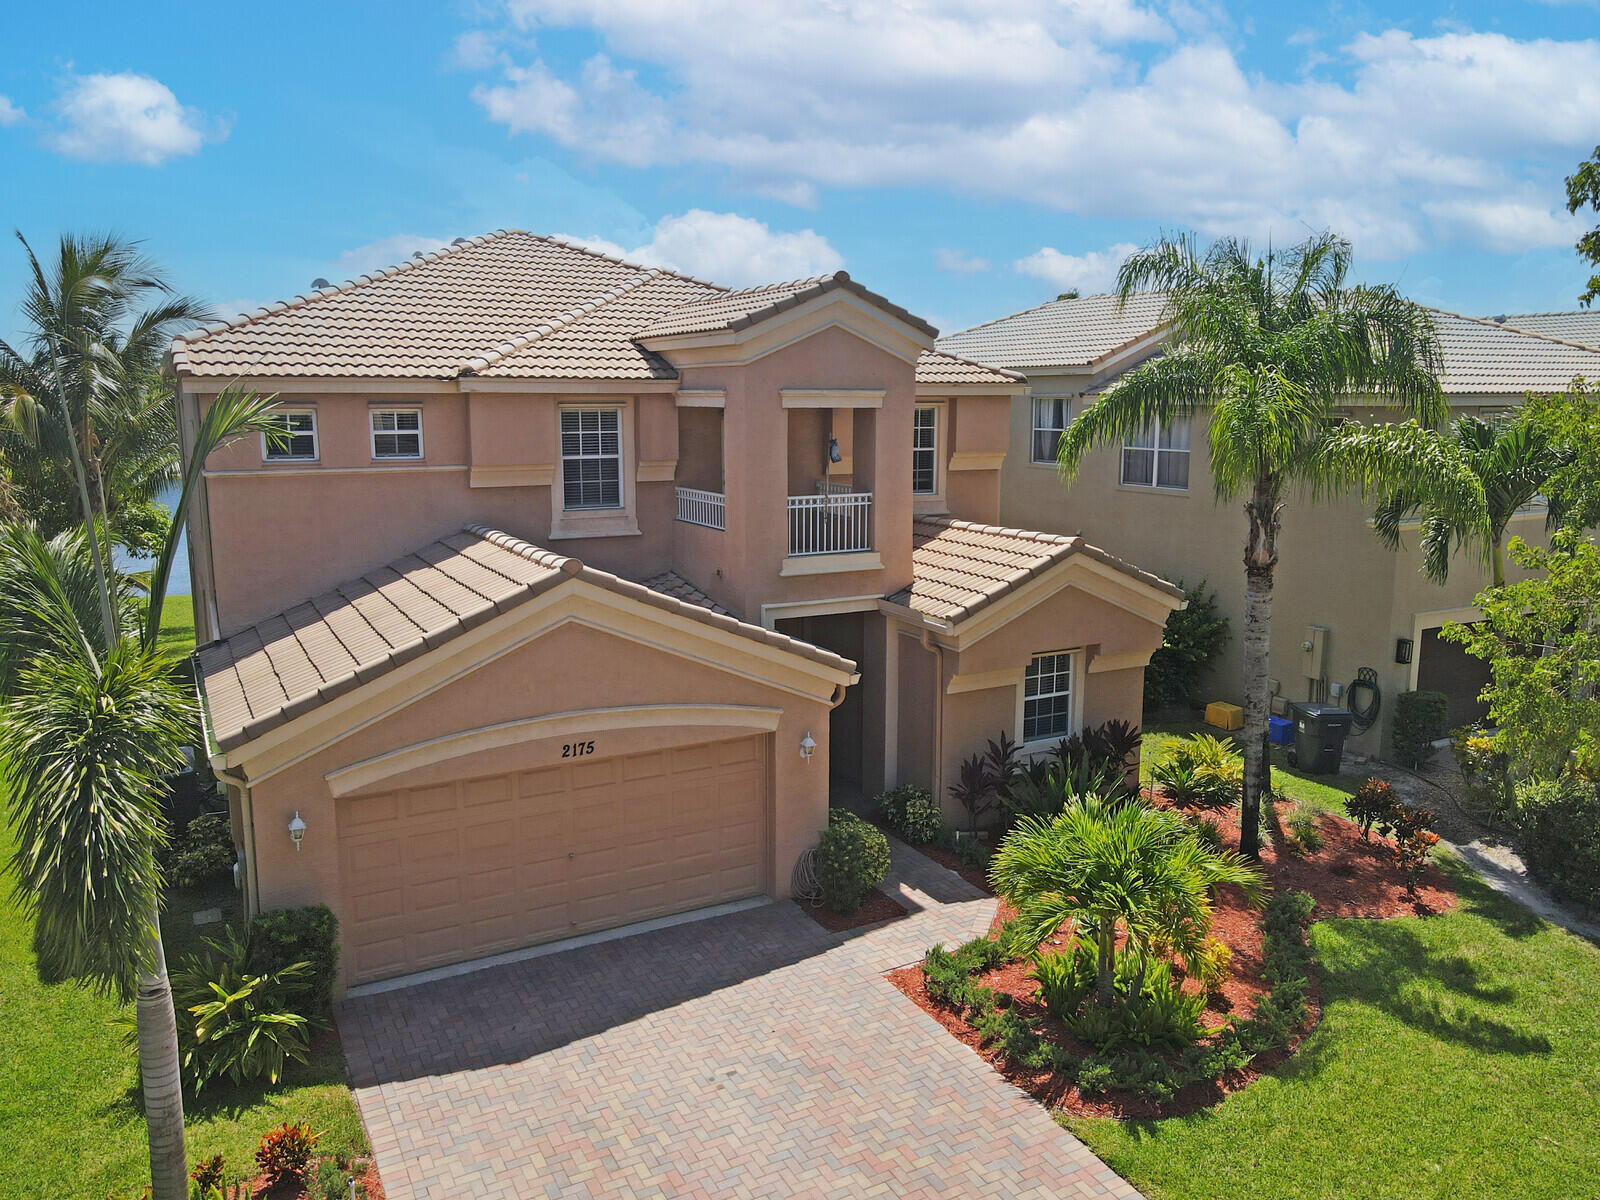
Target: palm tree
x: 1272, y: 347
x: 1112, y: 869
x: 1514, y: 460
x: 91, y: 721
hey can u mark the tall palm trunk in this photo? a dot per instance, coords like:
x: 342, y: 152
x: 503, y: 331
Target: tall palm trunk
x: 1106, y: 961
x: 162, y: 1083
x: 1260, y: 562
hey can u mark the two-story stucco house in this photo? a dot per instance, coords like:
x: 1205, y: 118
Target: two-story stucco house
x: 574, y: 590
x: 1342, y: 601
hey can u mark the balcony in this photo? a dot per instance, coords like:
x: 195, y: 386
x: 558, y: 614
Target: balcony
x: 696, y: 507
x: 835, y: 523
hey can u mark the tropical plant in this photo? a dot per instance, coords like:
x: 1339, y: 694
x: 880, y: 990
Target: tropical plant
x: 1193, y: 636
x: 285, y: 1152
x: 85, y: 389
x: 1541, y: 639
x: 1370, y: 803
x: 911, y: 812
x: 975, y: 790
x: 92, y: 717
x: 202, y: 852
x: 1201, y: 770
x: 1112, y: 870
x: 1304, y: 831
x: 238, y: 1023
x: 281, y: 937
x: 1414, y: 840
x: 1514, y: 460
x: 1558, y: 834
x: 1272, y: 348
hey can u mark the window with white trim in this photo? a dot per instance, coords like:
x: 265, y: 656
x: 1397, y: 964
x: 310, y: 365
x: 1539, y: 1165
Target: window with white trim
x: 925, y: 451
x: 1047, y: 697
x: 591, y: 458
x: 1050, y: 415
x: 396, y: 432
x: 294, y: 439
x: 1158, y: 456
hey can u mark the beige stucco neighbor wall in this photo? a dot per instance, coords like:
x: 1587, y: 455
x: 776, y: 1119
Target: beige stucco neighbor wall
x: 571, y: 668
x: 1332, y: 571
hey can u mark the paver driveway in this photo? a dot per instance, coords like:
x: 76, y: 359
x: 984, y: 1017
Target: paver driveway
x: 750, y: 1055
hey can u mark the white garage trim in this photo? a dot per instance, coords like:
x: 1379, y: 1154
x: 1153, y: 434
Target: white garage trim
x: 371, y: 771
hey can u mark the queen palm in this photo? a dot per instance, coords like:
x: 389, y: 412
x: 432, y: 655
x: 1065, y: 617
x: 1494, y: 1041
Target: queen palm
x: 1114, y: 870
x: 90, y: 716
x: 1514, y: 459
x: 1271, y: 348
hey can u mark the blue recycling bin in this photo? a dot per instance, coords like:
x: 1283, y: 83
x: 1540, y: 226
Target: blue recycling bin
x: 1280, y: 731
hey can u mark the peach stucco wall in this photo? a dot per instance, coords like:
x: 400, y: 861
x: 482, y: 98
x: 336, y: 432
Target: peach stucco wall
x: 571, y: 668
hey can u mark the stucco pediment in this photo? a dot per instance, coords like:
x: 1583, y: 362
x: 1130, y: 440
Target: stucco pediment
x: 832, y: 310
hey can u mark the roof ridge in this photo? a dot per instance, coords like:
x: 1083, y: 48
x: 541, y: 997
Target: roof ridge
x: 495, y: 353
x: 1022, y: 312
x: 1032, y: 535
x: 1555, y: 312
x: 1017, y: 375
x: 267, y: 310
x: 534, y: 554
x: 1516, y: 329
x: 572, y: 243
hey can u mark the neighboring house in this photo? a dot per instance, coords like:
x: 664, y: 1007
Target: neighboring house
x: 1342, y: 601
x: 574, y: 591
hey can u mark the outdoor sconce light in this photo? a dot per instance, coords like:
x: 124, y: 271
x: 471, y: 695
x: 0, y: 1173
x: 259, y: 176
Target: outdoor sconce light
x: 297, y: 830
x: 1402, y: 650
x: 808, y: 746
x: 833, y: 450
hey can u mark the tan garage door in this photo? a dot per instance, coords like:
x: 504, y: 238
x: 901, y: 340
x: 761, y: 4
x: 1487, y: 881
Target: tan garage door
x: 456, y: 871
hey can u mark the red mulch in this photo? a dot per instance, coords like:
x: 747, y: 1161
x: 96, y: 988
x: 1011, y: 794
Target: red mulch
x: 1348, y: 877
x: 973, y: 875
x: 365, y: 1171
x: 875, y: 909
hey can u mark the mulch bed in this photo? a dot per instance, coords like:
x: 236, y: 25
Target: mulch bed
x: 365, y: 1171
x: 876, y: 909
x: 1348, y: 877
x: 973, y: 875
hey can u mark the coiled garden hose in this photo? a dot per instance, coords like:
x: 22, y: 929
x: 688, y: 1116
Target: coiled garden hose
x: 1364, y: 712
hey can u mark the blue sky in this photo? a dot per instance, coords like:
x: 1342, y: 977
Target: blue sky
x: 966, y: 157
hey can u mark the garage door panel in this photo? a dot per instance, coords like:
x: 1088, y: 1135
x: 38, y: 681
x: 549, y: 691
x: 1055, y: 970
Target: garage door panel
x: 482, y: 865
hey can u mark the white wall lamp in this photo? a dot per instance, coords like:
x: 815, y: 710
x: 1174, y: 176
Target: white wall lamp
x: 297, y: 830
x: 808, y: 746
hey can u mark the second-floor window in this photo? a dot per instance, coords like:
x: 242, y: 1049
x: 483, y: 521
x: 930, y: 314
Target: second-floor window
x: 1158, y: 456
x: 591, y: 458
x: 1049, y: 421
x: 295, y: 437
x: 925, y: 451
x: 396, y: 432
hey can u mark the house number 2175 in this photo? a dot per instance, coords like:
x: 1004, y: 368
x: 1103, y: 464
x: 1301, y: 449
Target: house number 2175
x: 576, y: 749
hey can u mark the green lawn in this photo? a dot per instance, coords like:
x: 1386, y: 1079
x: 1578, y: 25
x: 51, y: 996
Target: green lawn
x: 70, y: 1122
x: 1456, y: 1057
x: 177, y: 626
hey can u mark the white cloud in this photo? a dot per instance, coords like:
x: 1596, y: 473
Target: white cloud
x: 727, y: 248
x: 476, y: 50
x: 10, y: 113
x: 385, y: 252
x: 128, y: 117
x: 960, y: 262
x: 1092, y: 272
x: 1097, y: 107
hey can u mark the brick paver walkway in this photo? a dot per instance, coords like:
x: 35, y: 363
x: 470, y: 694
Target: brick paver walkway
x: 753, y: 1055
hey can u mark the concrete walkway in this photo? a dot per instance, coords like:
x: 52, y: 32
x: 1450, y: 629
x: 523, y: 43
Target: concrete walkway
x: 750, y: 1055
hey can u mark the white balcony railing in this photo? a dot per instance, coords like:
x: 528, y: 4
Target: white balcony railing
x: 831, y: 524
x: 703, y: 508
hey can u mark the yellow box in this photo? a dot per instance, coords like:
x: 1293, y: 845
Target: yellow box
x: 1224, y: 715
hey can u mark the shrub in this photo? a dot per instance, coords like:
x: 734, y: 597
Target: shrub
x: 1202, y: 770
x: 285, y: 936
x: 1109, y: 751
x: 285, y: 1152
x: 1304, y: 831
x: 1370, y: 803
x: 332, y: 1182
x: 1209, y: 965
x: 852, y: 859
x: 912, y: 813
x: 202, y: 852
x: 1485, y: 772
x: 976, y: 790
x: 1065, y: 979
x: 237, y: 1023
x: 1414, y: 840
x: 1155, y: 1011
x: 1558, y: 832
x: 1208, y: 832
x: 1419, y: 721
x: 208, y: 1174
x: 1193, y: 636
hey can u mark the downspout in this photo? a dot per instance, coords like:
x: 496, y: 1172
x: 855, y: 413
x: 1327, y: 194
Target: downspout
x: 938, y: 713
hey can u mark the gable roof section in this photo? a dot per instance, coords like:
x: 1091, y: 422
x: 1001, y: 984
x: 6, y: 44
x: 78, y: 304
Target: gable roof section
x: 278, y: 669
x: 1063, y: 333
x: 935, y: 367
x: 1581, y: 327
x: 960, y: 567
x: 461, y: 308
x: 733, y: 311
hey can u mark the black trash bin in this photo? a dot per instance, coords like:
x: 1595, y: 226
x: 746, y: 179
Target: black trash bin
x: 1319, y: 733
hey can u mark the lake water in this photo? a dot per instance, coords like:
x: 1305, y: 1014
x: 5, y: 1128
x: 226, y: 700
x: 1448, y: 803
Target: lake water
x: 178, y: 584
